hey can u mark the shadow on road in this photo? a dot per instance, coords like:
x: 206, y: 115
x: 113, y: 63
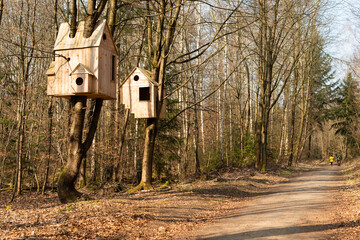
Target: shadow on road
x: 273, y: 232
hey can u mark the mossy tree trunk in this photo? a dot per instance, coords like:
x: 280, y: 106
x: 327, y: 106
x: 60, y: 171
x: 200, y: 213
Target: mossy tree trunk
x: 77, y: 147
x: 66, y: 184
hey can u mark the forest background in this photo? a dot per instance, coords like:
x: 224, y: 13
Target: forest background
x: 249, y: 84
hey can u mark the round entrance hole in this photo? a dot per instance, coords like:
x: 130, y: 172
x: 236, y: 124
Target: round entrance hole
x: 79, y: 81
x: 104, y: 36
x: 136, y: 77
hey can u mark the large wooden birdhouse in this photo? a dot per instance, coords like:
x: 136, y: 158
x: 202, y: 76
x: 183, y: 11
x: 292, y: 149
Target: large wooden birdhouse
x: 139, y: 93
x: 83, y: 66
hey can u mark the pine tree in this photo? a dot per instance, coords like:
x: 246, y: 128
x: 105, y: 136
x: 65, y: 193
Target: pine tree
x: 345, y: 112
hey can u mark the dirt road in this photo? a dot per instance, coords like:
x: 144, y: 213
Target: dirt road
x: 300, y: 209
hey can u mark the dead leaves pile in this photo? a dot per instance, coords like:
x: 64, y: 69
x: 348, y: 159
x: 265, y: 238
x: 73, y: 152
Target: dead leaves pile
x: 347, y: 208
x: 156, y: 214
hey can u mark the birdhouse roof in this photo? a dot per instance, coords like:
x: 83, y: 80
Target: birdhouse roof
x: 81, y: 69
x: 51, y: 69
x: 63, y: 41
x: 146, y: 73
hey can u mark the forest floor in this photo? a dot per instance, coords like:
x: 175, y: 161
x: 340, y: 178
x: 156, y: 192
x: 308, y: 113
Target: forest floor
x: 184, y: 211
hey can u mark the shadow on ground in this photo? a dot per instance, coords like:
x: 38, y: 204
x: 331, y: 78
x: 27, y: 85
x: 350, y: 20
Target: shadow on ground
x: 273, y: 232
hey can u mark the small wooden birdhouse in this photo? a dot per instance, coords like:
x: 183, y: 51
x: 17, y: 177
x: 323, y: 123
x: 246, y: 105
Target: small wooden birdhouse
x: 139, y: 93
x: 83, y: 66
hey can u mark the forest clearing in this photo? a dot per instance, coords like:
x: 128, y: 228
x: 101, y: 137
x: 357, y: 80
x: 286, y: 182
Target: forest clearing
x: 141, y: 119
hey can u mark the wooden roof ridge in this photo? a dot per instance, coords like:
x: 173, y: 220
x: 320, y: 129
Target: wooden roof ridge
x: 145, y: 72
x: 86, y: 70
x: 63, y: 41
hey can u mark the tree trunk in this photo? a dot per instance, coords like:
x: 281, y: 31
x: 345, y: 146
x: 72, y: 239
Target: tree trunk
x: 93, y: 162
x: 150, y: 135
x: 309, y: 147
x: 158, y: 54
x: 196, y: 135
x: 116, y: 176
x: 1, y: 9
x: 66, y: 186
x: 304, y: 120
x: 50, y: 117
x: 292, y: 130
x: 112, y: 16
x: 77, y: 148
x: 73, y: 15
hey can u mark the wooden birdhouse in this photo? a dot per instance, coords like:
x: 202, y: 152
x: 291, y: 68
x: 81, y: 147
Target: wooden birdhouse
x: 139, y: 93
x: 83, y: 66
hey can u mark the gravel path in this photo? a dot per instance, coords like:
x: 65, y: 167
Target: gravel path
x: 299, y: 209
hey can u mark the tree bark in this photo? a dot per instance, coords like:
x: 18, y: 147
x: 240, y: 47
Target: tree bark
x: 196, y: 135
x: 292, y: 130
x: 116, y: 175
x: 93, y: 14
x: 50, y: 112
x: 73, y: 15
x: 112, y: 16
x: 1, y: 9
x: 66, y: 185
x: 50, y: 117
x: 150, y: 135
x: 77, y: 148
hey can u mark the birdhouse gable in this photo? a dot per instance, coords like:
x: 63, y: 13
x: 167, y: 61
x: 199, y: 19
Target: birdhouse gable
x: 81, y: 69
x: 100, y: 36
x: 51, y: 69
x: 139, y: 77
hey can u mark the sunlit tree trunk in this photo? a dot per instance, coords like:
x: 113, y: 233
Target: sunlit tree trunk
x: 50, y: 117
x: 158, y: 55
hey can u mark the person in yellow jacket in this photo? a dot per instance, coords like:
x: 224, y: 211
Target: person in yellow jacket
x: 331, y: 160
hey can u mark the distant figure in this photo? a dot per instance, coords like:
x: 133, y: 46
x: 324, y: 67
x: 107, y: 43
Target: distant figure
x: 339, y: 158
x: 331, y: 160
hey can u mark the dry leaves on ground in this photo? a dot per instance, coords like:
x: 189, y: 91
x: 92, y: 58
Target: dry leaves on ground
x: 156, y: 214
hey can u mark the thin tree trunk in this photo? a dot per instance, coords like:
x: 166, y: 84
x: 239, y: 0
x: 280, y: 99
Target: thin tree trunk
x: 282, y: 131
x: 158, y: 56
x: 1, y: 9
x: 196, y: 135
x: 73, y: 14
x: 117, y: 176
x: 184, y: 156
x: 304, y: 120
x: 50, y: 111
x: 309, y: 147
x: 112, y: 16
x: 137, y: 161
x: 200, y: 80
x: 93, y: 161
x: 292, y: 129
x: 50, y: 117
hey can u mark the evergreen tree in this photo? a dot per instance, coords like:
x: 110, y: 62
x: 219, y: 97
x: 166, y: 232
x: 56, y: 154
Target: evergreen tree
x: 345, y: 112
